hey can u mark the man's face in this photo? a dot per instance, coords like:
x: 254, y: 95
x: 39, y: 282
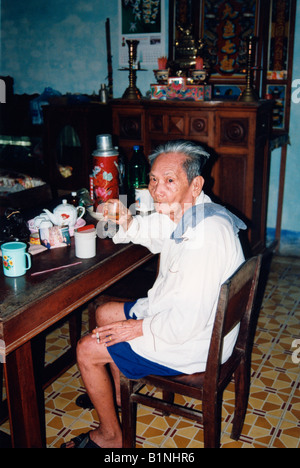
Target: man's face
x: 169, y: 187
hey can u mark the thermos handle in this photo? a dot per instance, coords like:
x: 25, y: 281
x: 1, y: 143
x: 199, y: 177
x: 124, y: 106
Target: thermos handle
x: 82, y: 209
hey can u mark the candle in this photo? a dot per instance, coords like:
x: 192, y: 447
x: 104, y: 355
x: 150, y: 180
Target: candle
x: 199, y: 63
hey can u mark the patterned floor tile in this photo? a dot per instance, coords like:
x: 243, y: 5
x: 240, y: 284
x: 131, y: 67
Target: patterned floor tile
x: 273, y: 414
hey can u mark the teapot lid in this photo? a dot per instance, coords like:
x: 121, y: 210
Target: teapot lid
x: 64, y: 202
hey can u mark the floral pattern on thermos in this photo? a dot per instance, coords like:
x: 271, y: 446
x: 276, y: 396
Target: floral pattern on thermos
x: 105, y: 178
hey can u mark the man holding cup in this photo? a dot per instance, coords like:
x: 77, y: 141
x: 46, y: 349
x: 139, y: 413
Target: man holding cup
x: 169, y: 331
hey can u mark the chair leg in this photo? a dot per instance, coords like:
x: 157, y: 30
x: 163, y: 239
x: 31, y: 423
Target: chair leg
x: 242, y: 384
x: 168, y: 396
x: 129, y: 410
x: 212, y: 410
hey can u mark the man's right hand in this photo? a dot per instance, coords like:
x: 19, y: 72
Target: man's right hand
x: 117, y: 212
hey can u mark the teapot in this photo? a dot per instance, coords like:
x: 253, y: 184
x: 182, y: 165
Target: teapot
x: 65, y: 214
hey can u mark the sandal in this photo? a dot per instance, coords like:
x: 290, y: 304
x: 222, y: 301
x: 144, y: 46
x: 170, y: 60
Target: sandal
x: 82, y: 441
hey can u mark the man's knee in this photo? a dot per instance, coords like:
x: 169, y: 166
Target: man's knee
x: 102, y: 314
x: 83, y: 349
x: 109, y: 312
x: 90, y: 353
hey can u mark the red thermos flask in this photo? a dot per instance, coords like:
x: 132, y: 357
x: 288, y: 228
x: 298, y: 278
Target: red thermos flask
x: 105, y: 176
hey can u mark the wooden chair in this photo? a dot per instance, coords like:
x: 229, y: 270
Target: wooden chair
x: 235, y: 305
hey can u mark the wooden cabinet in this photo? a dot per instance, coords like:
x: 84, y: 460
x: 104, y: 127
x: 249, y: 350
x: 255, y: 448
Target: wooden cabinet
x: 236, y: 134
x: 70, y: 139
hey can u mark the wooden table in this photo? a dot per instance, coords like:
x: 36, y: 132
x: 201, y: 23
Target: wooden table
x: 31, y: 304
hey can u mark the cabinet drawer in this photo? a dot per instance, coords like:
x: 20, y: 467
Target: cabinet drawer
x: 179, y: 124
x: 172, y: 124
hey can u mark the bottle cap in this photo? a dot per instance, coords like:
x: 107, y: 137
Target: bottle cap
x: 104, y: 142
x: 105, y: 146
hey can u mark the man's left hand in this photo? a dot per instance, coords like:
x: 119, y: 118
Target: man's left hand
x: 116, y: 332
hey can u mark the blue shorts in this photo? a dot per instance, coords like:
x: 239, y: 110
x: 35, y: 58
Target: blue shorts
x: 131, y: 364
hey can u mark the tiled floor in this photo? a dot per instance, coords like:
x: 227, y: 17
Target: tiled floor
x: 273, y: 417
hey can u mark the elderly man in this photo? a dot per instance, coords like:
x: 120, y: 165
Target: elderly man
x: 169, y: 331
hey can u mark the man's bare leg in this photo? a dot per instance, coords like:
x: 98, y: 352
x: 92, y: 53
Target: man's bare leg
x: 92, y: 358
x: 105, y: 314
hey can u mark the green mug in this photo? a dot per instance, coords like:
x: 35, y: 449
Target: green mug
x: 16, y: 261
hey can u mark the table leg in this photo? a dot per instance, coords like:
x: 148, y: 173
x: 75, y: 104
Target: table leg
x: 23, y: 398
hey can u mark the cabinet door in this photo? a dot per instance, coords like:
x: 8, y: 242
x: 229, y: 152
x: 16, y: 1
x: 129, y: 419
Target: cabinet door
x: 70, y: 139
x: 128, y: 127
x: 235, y: 147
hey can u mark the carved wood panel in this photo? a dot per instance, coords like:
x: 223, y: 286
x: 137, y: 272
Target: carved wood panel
x: 234, y: 131
x: 156, y: 123
x: 130, y: 127
x: 233, y: 193
x: 198, y: 126
x: 176, y: 124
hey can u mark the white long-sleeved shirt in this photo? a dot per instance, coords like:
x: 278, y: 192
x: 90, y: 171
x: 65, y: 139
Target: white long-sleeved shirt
x: 178, y: 313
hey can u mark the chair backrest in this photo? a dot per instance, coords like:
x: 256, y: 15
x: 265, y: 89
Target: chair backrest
x: 235, y: 306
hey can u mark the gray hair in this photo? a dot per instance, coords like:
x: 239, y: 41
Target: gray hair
x: 196, y: 156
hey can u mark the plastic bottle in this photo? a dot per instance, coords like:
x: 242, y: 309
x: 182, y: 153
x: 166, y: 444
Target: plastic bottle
x: 138, y: 170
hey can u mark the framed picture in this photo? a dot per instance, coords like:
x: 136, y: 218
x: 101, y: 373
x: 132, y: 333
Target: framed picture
x: 143, y: 21
x: 278, y: 93
x: 226, y: 25
x: 221, y: 28
x: 278, y: 69
x: 278, y: 46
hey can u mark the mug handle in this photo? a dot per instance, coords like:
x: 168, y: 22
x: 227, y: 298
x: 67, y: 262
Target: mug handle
x: 28, y: 261
x: 82, y: 209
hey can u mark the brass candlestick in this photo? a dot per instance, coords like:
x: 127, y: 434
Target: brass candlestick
x: 132, y: 92
x: 249, y: 95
